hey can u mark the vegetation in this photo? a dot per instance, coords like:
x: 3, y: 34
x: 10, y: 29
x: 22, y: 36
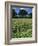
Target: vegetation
x: 21, y: 14
x: 21, y: 24
x: 21, y: 28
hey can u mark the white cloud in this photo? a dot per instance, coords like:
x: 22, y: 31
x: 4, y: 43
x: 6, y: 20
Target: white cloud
x: 22, y: 8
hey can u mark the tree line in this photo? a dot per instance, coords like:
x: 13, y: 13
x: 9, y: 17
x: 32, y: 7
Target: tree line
x: 22, y: 14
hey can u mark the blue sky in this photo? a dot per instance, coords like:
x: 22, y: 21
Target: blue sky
x: 29, y: 10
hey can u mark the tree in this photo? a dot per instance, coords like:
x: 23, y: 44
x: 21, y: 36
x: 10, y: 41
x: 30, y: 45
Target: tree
x: 30, y: 15
x: 13, y: 13
x: 23, y: 13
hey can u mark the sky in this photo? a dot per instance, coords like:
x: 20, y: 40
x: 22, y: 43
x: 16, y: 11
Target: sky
x: 29, y: 10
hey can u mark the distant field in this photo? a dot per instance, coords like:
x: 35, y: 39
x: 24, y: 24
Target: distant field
x: 21, y: 28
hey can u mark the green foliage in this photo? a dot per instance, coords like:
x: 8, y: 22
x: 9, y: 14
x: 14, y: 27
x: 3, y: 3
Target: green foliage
x: 23, y: 13
x: 21, y: 28
x: 13, y: 13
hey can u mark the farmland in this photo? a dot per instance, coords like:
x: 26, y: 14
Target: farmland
x: 21, y: 27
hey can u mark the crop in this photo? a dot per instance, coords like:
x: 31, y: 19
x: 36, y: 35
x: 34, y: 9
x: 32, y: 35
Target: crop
x: 21, y: 27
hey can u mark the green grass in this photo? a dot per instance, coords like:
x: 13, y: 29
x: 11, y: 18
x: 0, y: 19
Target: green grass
x: 21, y: 28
